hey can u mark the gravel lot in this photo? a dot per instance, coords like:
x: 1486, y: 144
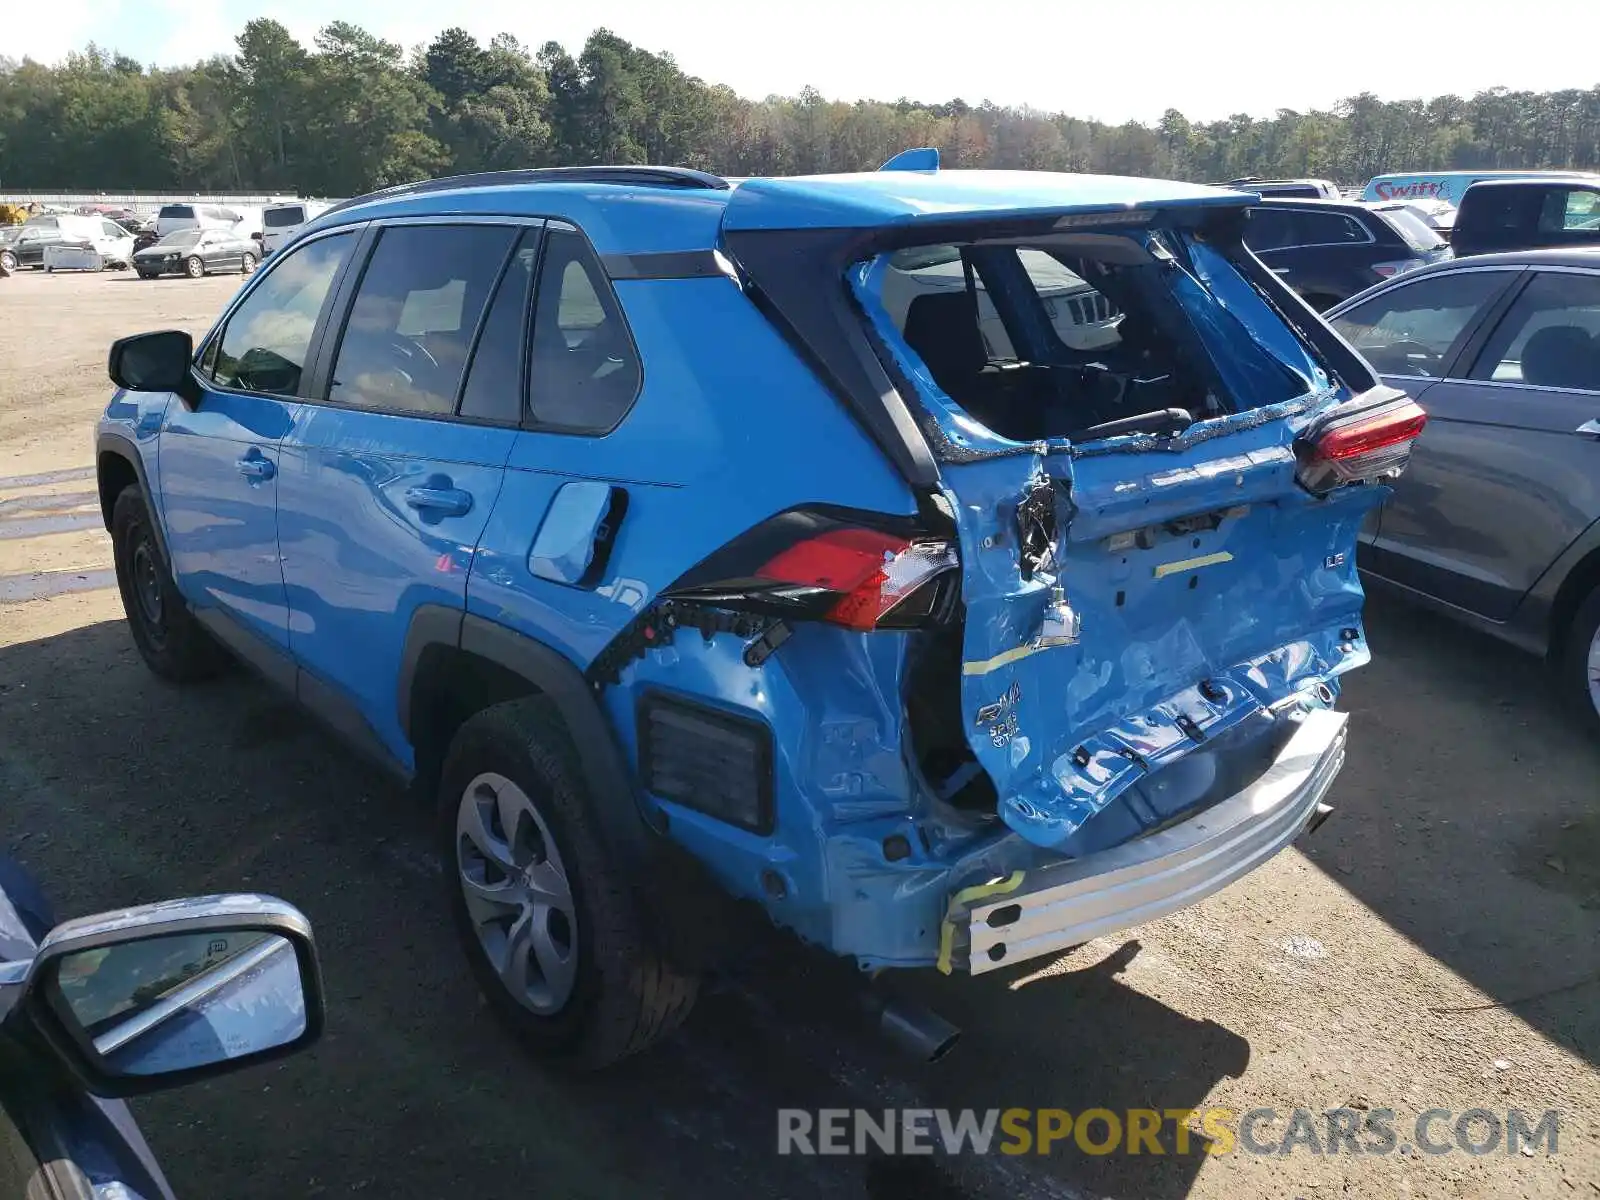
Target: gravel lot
x: 1435, y: 945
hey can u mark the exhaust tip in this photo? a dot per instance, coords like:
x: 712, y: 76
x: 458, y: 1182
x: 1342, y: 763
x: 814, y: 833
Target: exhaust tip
x: 1322, y: 813
x: 917, y: 1032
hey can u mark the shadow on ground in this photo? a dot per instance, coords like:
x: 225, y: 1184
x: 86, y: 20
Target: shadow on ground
x: 119, y: 789
x: 1468, y: 818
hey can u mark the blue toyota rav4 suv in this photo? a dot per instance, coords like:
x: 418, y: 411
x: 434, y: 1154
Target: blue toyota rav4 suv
x: 958, y: 564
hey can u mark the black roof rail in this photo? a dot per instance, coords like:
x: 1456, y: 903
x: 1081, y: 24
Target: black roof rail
x: 637, y: 176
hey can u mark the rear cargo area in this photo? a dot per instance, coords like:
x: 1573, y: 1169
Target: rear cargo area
x: 1151, y: 599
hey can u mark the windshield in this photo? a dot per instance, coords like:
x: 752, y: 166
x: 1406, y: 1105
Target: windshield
x: 181, y: 240
x: 1413, y: 228
x: 282, y: 218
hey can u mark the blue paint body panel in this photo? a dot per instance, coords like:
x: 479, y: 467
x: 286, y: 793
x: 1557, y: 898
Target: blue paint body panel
x: 359, y: 559
x: 1212, y: 590
x: 220, y: 522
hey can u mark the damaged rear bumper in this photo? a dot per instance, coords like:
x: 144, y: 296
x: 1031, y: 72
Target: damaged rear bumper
x: 1056, y: 907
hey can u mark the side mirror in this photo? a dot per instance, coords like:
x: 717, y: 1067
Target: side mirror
x: 167, y: 994
x: 154, y: 362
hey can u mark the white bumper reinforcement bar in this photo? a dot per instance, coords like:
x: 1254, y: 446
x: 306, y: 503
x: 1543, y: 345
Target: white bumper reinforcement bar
x: 1056, y: 907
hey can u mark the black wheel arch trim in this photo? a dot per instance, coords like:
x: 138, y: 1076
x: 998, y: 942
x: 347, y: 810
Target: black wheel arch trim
x: 109, y: 442
x: 1550, y: 604
x: 678, y: 900
x: 610, y: 785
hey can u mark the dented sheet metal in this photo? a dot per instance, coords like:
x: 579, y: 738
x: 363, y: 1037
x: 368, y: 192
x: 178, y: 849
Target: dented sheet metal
x: 1201, y: 588
x: 1209, y: 589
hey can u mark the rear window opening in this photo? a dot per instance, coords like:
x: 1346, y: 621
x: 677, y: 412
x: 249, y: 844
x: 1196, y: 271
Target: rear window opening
x: 283, y: 218
x: 1079, y: 336
x: 176, y: 212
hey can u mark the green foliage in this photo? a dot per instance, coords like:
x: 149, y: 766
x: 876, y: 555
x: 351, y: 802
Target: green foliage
x: 354, y: 112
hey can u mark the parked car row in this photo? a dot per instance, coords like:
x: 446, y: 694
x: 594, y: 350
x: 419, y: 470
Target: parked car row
x: 109, y: 243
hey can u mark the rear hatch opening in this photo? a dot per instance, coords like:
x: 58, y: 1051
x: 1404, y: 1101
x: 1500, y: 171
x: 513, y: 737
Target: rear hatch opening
x: 1158, y: 569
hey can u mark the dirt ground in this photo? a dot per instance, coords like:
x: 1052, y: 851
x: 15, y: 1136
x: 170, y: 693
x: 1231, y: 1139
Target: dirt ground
x: 1434, y: 945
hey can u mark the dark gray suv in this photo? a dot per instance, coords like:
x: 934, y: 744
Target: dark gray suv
x: 1497, y: 521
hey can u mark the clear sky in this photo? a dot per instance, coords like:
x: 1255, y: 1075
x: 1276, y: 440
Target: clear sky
x: 1112, y: 61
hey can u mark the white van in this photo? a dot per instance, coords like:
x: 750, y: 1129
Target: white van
x: 280, y: 222
x: 174, y: 217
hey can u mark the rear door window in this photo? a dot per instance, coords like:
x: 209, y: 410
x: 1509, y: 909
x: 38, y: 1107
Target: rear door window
x: 416, y: 311
x: 1549, y: 337
x: 494, y: 383
x: 584, y: 372
x: 1414, y: 329
x: 264, y: 346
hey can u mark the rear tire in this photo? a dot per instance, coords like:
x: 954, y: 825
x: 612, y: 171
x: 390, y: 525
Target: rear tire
x: 551, y: 911
x: 194, y: 268
x: 172, y: 643
x: 247, y: 264
x: 1578, y: 669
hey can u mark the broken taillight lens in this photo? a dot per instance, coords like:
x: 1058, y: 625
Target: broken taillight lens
x: 864, y: 575
x: 815, y: 566
x: 1368, y: 443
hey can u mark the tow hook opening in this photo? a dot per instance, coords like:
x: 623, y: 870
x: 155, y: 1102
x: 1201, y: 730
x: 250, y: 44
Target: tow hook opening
x: 1322, y: 813
x: 910, y: 1028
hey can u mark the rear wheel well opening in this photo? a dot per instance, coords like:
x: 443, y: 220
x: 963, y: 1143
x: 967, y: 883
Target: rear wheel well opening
x: 451, y: 686
x: 1575, y: 588
x: 113, y: 474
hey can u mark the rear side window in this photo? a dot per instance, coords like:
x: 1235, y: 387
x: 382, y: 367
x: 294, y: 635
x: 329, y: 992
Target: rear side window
x: 264, y: 346
x: 415, y: 313
x: 1412, y: 228
x: 584, y: 372
x: 1550, y: 336
x: 1268, y: 229
x: 494, y: 384
x: 1329, y: 229
x: 1570, y: 212
x: 1412, y: 329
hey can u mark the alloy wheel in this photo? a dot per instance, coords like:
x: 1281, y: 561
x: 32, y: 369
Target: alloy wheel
x: 517, y: 893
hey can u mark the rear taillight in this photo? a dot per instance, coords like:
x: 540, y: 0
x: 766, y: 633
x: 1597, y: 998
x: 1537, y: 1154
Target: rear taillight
x: 1388, y: 270
x: 821, y: 566
x: 1360, y: 443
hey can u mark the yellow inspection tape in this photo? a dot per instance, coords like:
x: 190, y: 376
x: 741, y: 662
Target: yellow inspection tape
x: 958, y: 905
x: 1193, y: 564
x: 1000, y: 660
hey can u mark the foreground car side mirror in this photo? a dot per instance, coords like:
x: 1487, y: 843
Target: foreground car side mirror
x: 168, y: 994
x: 154, y: 362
